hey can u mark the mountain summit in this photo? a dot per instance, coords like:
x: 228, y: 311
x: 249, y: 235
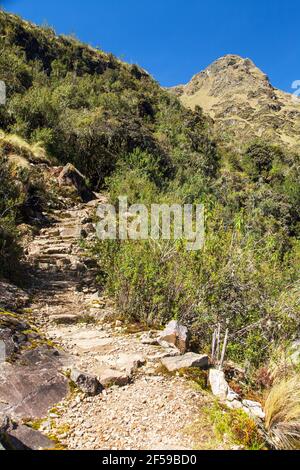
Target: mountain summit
x: 244, y: 105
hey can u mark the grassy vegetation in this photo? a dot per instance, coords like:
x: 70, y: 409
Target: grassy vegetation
x: 236, y: 427
x: 70, y: 103
x: 283, y: 414
x: 246, y: 277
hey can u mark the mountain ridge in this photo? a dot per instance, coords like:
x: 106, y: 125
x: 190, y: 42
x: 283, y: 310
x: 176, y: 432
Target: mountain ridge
x: 243, y: 103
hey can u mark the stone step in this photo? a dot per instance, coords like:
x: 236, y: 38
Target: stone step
x: 44, y: 238
x: 74, y: 233
x: 53, y: 256
x: 58, y: 250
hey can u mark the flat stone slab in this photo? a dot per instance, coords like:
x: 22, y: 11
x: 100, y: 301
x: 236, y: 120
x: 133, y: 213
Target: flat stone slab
x: 130, y: 362
x: 109, y: 377
x: 30, y: 391
x: 68, y: 233
x: 91, y: 341
x: 186, y: 361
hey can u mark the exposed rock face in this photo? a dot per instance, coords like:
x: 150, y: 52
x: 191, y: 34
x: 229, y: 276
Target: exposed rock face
x: 175, y: 334
x: 16, y: 436
x: 242, y: 102
x: 183, y: 362
x: 30, y: 381
x: 89, y: 384
x: 70, y: 176
x: 11, y: 297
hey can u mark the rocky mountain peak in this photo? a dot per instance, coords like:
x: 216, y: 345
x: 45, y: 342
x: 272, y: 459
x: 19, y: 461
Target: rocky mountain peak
x: 239, y: 97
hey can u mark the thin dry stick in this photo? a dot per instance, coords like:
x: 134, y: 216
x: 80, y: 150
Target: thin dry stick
x: 213, y: 346
x: 218, y: 343
x: 224, y: 349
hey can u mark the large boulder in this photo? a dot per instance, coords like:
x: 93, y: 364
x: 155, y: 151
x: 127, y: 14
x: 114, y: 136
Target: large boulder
x: 89, y: 384
x: 218, y: 383
x: 175, y: 334
x: 70, y: 176
x: 173, y: 364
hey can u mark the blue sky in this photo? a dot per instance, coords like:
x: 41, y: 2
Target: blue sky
x: 174, y: 39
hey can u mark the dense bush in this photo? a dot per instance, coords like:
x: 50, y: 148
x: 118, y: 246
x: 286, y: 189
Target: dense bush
x: 239, y: 279
x: 10, y: 199
x: 90, y: 109
x: 23, y: 196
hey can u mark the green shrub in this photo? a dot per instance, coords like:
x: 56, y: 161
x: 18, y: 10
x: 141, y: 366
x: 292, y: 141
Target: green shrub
x: 10, y: 200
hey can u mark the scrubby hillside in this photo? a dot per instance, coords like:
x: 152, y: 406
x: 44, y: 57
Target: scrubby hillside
x: 70, y: 103
x: 74, y: 104
x: 89, y: 108
x: 244, y: 105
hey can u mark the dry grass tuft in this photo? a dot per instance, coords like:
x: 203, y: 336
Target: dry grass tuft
x: 13, y: 144
x: 282, y: 410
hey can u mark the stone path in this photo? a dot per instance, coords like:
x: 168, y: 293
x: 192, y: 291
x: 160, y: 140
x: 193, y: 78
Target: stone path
x: 141, y: 407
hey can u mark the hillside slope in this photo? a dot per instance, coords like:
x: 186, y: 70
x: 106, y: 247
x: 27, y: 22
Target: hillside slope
x: 78, y: 101
x: 71, y: 104
x: 244, y: 105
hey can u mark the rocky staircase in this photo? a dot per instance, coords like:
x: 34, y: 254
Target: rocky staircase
x: 129, y: 393
x: 60, y: 265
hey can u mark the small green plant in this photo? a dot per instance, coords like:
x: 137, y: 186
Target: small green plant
x: 237, y: 426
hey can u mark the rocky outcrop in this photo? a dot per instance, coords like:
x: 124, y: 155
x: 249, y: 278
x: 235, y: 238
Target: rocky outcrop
x: 30, y: 381
x: 12, y: 297
x: 70, y: 176
x: 243, y: 104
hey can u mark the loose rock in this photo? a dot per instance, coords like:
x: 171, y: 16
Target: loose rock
x: 254, y: 409
x: 173, y: 364
x: 86, y: 383
x: 175, y: 334
x: 219, y: 386
x: 109, y: 377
